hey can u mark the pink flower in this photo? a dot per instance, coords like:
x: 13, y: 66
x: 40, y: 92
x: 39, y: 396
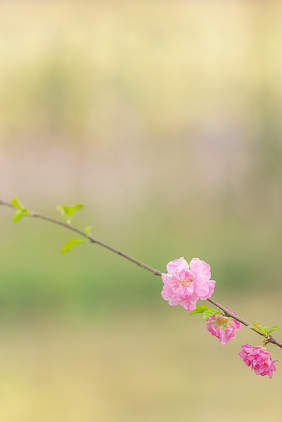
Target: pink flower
x: 259, y: 359
x: 222, y: 327
x: 184, y: 284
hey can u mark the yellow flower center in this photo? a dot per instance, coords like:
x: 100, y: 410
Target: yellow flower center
x: 186, y: 281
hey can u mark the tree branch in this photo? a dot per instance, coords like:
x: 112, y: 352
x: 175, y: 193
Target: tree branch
x: 269, y: 339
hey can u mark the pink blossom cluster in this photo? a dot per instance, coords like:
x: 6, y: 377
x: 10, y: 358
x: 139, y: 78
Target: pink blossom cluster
x: 185, y: 284
x: 259, y: 359
x: 222, y: 327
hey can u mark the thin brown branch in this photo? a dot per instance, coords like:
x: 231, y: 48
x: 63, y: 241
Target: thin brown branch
x: 89, y: 237
x: 269, y: 339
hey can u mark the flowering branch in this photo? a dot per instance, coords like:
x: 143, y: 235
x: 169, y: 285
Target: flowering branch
x: 269, y: 339
x: 218, y: 322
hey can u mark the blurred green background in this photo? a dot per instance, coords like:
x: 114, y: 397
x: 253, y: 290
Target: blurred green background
x: 164, y: 119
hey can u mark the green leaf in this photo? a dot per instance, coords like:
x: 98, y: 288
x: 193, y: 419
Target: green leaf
x: 263, y: 330
x: 257, y: 327
x: 274, y: 328
x: 67, y: 211
x: 257, y: 324
x: 200, y: 310
x: 70, y: 244
x: 88, y: 229
x: 210, y: 312
x: 17, y: 203
x: 21, y: 210
x: 19, y: 214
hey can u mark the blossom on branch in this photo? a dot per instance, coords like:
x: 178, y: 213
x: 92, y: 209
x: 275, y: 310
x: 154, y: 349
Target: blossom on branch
x: 223, y: 327
x: 259, y: 359
x: 185, y: 284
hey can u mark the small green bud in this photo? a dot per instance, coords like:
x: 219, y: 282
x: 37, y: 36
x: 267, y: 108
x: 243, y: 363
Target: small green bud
x: 68, y: 212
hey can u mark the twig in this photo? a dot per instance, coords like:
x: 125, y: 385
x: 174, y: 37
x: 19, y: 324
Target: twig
x: 269, y: 339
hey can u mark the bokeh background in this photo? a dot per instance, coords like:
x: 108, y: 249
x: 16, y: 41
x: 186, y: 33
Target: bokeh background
x: 164, y: 119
